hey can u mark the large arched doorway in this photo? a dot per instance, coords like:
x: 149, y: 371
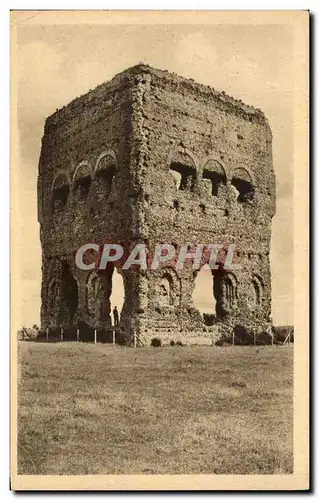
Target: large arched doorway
x: 117, y: 293
x: 105, y: 290
x: 69, y: 297
x: 215, y: 293
x: 203, y: 295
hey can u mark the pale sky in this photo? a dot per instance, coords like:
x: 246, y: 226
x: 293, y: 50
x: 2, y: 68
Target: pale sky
x: 56, y: 63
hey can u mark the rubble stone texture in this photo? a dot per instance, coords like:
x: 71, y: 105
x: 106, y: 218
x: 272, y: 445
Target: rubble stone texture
x: 153, y: 157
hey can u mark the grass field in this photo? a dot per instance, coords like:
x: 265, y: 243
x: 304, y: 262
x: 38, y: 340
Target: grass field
x: 98, y: 409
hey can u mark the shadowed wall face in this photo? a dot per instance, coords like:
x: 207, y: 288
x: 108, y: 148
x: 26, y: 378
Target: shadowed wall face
x: 178, y: 163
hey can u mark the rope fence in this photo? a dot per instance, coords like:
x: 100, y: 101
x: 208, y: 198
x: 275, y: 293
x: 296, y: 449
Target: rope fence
x: 112, y: 335
x: 109, y: 335
x: 241, y: 336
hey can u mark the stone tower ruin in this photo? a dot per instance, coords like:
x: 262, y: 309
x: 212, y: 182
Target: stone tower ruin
x: 153, y: 157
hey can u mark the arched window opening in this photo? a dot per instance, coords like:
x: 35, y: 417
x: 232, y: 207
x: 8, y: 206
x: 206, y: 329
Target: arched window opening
x: 60, y: 193
x: 183, y: 169
x: 82, y: 188
x: 214, y: 172
x: 188, y: 176
x: 242, y: 181
x: 82, y: 181
x: 104, y: 183
x: 105, y: 172
x: 244, y: 188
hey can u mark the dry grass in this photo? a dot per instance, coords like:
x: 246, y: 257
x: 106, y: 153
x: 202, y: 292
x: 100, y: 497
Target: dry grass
x: 96, y: 409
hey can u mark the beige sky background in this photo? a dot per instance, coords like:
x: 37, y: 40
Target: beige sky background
x: 56, y: 63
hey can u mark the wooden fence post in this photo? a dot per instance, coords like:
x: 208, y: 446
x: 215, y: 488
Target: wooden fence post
x: 113, y: 337
x: 134, y: 338
x: 233, y: 338
x: 77, y: 334
x: 61, y: 336
x: 95, y: 336
x: 47, y: 335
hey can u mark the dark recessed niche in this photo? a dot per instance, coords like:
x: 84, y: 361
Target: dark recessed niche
x: 215, y: 173
x: 186, y: 176
x: 176, y: 204
x: 60, y: 197
x: 82, y: 188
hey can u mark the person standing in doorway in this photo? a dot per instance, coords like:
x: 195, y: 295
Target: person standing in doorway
x: 116, y: 316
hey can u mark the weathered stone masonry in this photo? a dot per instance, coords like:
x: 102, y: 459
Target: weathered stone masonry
x: 152, y: 157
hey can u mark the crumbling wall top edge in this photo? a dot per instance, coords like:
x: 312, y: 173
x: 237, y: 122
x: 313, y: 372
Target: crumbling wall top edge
x: 123, y: 79
x: 200, y: 88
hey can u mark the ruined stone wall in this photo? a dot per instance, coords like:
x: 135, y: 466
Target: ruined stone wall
x: 152, y: 157
x: 187, y: 127
x: 85, y: 195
